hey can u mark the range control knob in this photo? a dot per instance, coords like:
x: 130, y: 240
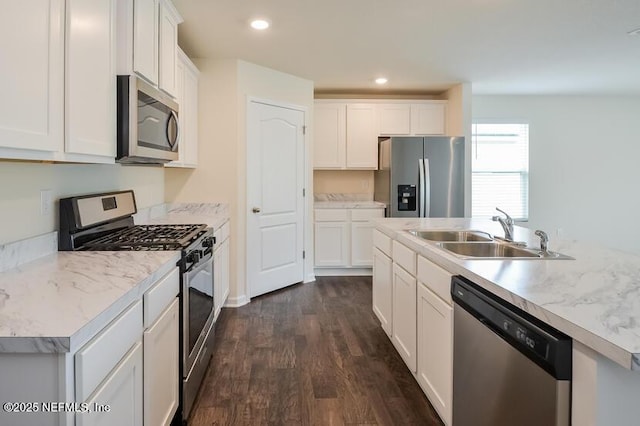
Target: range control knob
x: 193, y: 257
x: 208, y: 242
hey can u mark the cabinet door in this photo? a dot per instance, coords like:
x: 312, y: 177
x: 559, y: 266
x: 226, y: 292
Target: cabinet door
x: 361, y: 244
x: 120, y: 393
x: 394, y: 119
x: 329, y: 135
x: 331, y: 244
x: 168, y: 80
x: 32, y: 75
x: 404, y: 316
x: 435, y: 351
x: 145, y: 39
x: 382, y: 289
x: 190, y: 126
x: 91, y: 78
x: 221, y: 276
x: 428, y: 119
x: 362, y: 139
x: 161, y: 374
x: 183, y: 132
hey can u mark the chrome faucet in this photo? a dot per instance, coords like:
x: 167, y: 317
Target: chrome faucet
x: 507, y: 224
x: 544, y: 241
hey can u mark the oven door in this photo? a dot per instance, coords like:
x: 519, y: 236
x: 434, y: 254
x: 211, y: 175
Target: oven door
x: 198, y: 309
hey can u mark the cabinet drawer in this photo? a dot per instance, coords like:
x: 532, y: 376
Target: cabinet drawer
x: 160, y: 296
x: 364, y: 215
x: 331, y: 215
x: 222, y: 233
x: 404, y: 257
x: 98, y: 357
x: 382, y: 242
x: 435, y: 278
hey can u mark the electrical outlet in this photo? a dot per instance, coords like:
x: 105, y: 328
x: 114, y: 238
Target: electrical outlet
x: 46, y: 202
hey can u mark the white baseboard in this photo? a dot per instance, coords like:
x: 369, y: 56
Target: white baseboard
x: 236, y: 302
x: 332, y: 272
x: 310, y: 278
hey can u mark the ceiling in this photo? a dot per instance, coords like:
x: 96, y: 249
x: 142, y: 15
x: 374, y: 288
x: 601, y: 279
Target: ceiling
x: 426, y: 46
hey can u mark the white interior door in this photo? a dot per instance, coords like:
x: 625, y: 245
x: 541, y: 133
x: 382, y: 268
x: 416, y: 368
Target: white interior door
x: 275, y: 181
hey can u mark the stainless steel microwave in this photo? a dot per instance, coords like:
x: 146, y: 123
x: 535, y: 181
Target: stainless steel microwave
x: 148, y: 126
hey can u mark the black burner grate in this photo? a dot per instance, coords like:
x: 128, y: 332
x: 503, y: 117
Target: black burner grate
x: 148, y: 237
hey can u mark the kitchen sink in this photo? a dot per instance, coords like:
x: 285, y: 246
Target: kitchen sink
x: 452, y: 235
x: 491, y: 250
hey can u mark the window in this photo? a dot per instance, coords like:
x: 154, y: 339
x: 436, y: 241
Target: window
x: 500, y: 169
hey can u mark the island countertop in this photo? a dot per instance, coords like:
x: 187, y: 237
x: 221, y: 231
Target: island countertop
x: 595, y: 298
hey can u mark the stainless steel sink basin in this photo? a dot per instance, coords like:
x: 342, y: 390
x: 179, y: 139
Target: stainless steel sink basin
x: 453, y: 235
x: 491, y: 250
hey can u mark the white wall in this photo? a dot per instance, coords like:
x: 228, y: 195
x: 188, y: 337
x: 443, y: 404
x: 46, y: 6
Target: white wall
x: 224, y: 87
x: 584, y: 156
x: 21, y: 182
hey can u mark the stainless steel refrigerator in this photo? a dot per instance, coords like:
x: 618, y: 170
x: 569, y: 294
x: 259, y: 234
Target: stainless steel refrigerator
x: 421, y: 176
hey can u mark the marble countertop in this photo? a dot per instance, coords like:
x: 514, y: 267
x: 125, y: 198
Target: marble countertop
x: 348, y: 205
x: 55, y: 303
x: 595, y: 298
x: 212, y: 214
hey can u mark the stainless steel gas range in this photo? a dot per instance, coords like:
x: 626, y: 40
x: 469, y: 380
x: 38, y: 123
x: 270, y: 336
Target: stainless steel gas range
x: 105, y: 222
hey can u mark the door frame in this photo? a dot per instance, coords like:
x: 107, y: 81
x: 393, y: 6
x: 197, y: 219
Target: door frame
x: 307, y: 263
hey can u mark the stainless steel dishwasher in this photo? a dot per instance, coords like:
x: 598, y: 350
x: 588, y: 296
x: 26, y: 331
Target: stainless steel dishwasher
x: 508, y: 367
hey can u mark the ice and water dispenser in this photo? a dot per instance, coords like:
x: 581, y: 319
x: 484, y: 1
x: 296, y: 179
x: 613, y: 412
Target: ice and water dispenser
x: 406, y: 198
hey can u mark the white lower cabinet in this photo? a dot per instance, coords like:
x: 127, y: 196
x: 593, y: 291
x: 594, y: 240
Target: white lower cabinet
x: 412, y: 299
x: 344, y: 237
x: 221, y: 268
x: 331, y: 244
x: 382, y: 289
x: 435, y: 350
x: 161, y: 361
x: 118, y: 400
x: 404, y: 316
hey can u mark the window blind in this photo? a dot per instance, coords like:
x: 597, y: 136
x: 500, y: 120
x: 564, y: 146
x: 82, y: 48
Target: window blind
x: 500, y: 169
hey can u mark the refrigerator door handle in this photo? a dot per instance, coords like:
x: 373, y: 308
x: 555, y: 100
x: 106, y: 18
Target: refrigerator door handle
x: 421, y: 188
x: 427, y: 189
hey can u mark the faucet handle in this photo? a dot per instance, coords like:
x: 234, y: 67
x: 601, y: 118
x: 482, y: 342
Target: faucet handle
x: 509, y: 219
x: 544, y: 240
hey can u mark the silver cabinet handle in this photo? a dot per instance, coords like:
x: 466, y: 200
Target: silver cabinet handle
x: 256, y: 209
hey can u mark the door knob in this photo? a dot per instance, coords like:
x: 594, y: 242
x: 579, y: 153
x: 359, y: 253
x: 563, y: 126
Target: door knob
x: 256, y: 210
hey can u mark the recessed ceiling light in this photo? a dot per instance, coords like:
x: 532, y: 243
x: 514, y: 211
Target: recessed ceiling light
x: 260, y: 24
x: 381, y: 80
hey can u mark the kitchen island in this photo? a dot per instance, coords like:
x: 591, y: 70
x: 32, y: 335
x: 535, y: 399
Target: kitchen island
x: 595, y: 299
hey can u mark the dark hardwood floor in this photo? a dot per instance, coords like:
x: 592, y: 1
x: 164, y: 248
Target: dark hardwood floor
x: 310, y: 354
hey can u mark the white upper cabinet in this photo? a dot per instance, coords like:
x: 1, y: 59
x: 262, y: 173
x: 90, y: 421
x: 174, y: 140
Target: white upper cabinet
x: 90, y: 102
x: 187, y: 95
x: 394, y: 119
x: 145, y: 39
x: 168, y: 48
x: 32, y: 77
x: 362, y: 140
x: 329, y: 137
x: 345, y: 136
x: 412, y: 118
x: 429, y: 118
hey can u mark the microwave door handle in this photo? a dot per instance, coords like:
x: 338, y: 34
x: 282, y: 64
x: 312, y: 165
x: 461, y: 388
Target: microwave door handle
x: 172, y: 117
